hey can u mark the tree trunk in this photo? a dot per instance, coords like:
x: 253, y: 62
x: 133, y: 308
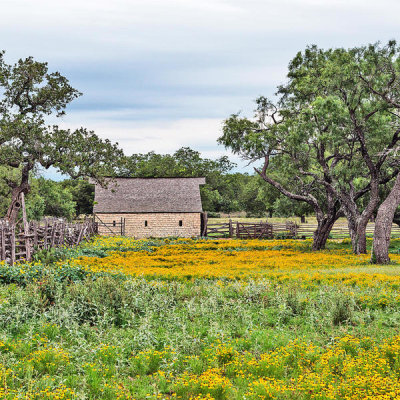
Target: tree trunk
x: 361, y: 236
x: 358, y: 234
x: 13, y: 209
x: 323, y: 230
x: 383, y: 225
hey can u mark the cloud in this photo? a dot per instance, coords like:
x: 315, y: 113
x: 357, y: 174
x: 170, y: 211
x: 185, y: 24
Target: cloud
x: 159, y: 74
x: 161, y: 136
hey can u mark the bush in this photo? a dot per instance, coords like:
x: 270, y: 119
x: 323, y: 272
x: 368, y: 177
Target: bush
x: 213, y: 214
x: 343, y: 310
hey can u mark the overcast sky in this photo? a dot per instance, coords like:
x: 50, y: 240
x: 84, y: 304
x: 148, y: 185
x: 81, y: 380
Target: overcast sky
x: 159, y: 75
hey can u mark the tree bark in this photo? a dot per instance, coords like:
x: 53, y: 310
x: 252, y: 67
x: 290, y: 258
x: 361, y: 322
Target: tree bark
x: 358, y: 233
x: 361, y: 236
x: 325, y: 225
x: 357, y: 221
x: 13, y: 209
x: 383, y: 225
x: 322, y: 232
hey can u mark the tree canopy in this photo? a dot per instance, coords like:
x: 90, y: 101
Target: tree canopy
x: 29, y: 93
x: 327, y: 140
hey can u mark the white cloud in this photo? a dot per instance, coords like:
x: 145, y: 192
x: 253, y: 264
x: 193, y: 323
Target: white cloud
x: 160, y: 74
x: 162, y: 136
x: 100, y: 29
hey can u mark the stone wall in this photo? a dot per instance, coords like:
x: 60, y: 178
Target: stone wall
x: 153, y: 224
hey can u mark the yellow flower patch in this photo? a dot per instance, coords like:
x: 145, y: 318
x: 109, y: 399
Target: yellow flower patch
x: 279, y: 260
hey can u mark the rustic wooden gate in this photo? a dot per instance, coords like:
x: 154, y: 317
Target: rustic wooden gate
x: 114, y: 228
x: 261, y: 230
x: 220, y: 230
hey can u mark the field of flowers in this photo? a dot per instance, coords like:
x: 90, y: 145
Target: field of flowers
x: 200, y: 319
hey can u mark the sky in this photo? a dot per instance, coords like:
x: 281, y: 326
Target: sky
x: 159, y: 75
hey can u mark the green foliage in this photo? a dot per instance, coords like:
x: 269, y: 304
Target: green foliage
x: 82, y: 194
x: 328, y: 140
x: 29, y: 94
x: 147, y: 335
x: 48, y: 256
x: 49, y: 198
x: 35, y: 207
x: 224, y: 191
x: 119, y: 337
x: 7, y: 174
x: 342, y: 310
x: 219, y: 192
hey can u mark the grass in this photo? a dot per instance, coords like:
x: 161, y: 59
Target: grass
x: 289, y: 326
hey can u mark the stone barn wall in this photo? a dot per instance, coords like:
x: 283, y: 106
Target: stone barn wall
x: 142, y: 225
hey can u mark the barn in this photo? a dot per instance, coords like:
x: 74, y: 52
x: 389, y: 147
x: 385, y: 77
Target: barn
x: 149, y: 207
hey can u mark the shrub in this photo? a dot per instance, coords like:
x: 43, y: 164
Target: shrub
x: 343, y: 310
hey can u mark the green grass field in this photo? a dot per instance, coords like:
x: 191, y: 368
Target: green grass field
x: 325, y: 329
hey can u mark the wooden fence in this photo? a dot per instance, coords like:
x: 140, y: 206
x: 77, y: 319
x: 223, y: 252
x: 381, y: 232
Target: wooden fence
x: 340, y: 230
x: 266, y: 230
x: 19, y: 243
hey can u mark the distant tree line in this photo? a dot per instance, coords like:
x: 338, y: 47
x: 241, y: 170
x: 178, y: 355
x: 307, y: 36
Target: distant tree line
x: 225, y: 191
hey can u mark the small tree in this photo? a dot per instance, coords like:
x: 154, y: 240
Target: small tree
x: 29, y: 93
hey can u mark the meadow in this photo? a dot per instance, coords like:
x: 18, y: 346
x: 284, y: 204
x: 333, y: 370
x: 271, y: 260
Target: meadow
x: 200, y: 319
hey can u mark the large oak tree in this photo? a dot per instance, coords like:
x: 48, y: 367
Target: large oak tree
x: 29, y: 93
x: 328, y: 139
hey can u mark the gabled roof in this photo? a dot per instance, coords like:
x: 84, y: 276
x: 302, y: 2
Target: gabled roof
x: 147, y: 195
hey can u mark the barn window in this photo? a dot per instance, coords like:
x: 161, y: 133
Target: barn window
x: 180, y: 222
x: 114, y: 223
x: 145, y: 223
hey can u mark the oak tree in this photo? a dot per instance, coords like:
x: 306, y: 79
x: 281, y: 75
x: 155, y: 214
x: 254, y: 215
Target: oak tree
x: 328, y: 139
x: 29, y: 94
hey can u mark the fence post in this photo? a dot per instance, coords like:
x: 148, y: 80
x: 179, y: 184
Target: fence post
x: 62, y: 238
x: 230, y: 228
x: 35, y: 235
x: 12, y: 242
x: 26, y: 229
x: 3, y: 243
x: 45, y: 234
x: 53, y: 234
x: 79, y: 238
x: 204, y: 219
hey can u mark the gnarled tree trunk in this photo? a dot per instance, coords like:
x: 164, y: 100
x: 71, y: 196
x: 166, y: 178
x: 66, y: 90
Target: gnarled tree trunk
x: 23, y: 187
x: 325, y: 225
x: 383, y: 225
x: 357, y: 222
x: 358, y: 233
x: 322, y: 232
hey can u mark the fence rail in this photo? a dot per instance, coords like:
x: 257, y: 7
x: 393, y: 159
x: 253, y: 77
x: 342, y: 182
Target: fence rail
x: 20, y: 243
x: 266, y: 230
